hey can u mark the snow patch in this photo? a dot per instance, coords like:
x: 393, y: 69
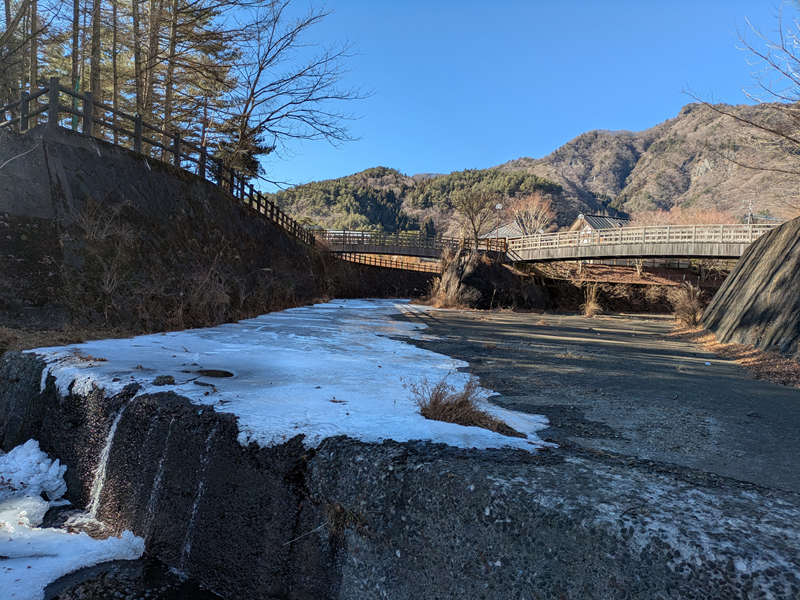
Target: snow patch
x: 35, y: 557
x: 317, y: 371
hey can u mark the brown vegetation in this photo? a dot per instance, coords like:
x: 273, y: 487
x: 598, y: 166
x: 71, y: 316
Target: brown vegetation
x: 591, y: 306
x: 442, y: 402
x: 687, y: 304
x: 683, y: 216
x: 766, y: 365
x: 533, y: 213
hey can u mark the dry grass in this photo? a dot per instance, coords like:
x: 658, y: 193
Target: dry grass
x: 442, y: 402
x: 591, y: 306
x: 687, y: 304
x: 340, y: 518
x: 25, y: 339
x: 765, y: 365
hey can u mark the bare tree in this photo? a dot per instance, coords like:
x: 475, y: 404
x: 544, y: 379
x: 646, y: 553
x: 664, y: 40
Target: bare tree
x: 474, y: 211
x: 774, y: 133
x: 289, y: 89
x: 533, y: 213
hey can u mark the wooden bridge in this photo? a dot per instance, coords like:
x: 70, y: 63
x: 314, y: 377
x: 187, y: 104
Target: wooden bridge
x: 672, y: 241
x: 669, y: 241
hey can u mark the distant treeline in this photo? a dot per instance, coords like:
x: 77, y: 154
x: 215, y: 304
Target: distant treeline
x: 437, y: 190
x: 374, y: 199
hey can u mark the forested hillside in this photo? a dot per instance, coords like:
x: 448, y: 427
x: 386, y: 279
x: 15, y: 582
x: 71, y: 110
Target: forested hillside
x: 384, y: 199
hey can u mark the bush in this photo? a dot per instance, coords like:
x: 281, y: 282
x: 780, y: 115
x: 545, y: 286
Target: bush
x: 442, y: 402
x: 591, y: 306
x: 687, y: 304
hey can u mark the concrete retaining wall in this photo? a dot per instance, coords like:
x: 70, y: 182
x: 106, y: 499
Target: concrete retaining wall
x: 759, y: 302
x: 95, y: 235
x: 399, y: 520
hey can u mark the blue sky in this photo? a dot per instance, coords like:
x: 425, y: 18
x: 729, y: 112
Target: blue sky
x: 473, y: 84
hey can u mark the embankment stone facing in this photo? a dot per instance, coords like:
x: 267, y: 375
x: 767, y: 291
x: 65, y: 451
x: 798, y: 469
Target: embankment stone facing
x: 92, y: 234
x: 399, y: 520
x: 759, y: 303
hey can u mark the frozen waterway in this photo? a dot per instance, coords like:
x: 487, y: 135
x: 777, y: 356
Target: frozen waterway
x: 31, y: 557
x: 318, y: 371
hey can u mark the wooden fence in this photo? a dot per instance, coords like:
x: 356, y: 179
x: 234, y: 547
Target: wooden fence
x: 391, y: 263
x: 96, y: 118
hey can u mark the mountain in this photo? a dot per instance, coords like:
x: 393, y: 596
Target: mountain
x: 688, y: 161
x: 692, y: 161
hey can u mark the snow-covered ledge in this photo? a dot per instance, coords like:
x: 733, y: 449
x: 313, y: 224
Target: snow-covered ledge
x: 318, y: 371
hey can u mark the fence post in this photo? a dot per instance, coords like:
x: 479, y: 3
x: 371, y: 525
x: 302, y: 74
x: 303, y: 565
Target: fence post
x: 52, y: 109
x: 201, y: 165
x: 137, y: 133
x: 176, y: 149
x: 88, y: 109
x: 23, y: 111
x: 220, y: 173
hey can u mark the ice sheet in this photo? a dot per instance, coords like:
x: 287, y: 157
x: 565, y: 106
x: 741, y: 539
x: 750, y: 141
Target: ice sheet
x: 33, y: 557
x: 318, y: 371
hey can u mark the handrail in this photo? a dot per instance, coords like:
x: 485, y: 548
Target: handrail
x: 406, y: 240
x: 663, y: 234
x: 379, y: 261
x: 92, y: 115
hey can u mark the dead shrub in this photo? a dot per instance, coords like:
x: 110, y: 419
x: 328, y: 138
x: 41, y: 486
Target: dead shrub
x: 687, y: 304
x: 442, y: 402
x: 340, y: 518
x: 591, y: 306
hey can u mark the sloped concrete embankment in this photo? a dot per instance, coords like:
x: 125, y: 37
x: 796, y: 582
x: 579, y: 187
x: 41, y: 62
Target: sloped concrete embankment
x: 410, y: 520
x: 759, y: 303
x: 92, y: 234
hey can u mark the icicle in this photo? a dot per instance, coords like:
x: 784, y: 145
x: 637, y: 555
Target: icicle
x: 100, y: 471
x: 187, y: 544
x: 151, y: 503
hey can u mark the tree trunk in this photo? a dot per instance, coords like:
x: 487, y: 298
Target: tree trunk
x: 114, y: 74
x: 169, y: 84
x: 34, y: 60
x: 76, y: 30
x: 152, y: 55
x: 95, y: 59
x: 137, y: 58
x: 82, y: 68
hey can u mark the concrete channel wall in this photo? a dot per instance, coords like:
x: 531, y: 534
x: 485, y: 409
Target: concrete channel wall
x: 396, y: 520
x: 94, y: 234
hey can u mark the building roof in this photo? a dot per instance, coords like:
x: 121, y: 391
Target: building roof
x: 599, y: 222
x: 507, y: 230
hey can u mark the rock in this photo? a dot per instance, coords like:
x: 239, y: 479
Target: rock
x: 481, y: 282
x: 164, y: 380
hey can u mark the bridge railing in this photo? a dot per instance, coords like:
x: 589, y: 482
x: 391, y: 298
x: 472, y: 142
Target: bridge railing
x: 666, y: 234
x: 380, y: 261
x: 406, y: 240
x: 131, y: 131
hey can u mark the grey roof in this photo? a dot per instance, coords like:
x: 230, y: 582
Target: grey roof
x: 601, y: 222
x: 507, y: 230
